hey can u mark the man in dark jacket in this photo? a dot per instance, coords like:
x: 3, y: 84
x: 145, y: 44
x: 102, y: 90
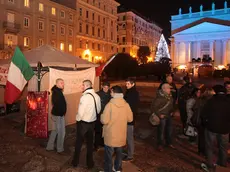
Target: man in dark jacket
x: 132, y: 98
x: 162, y: 106
x: 184, y: 94
x: 58, y: 117
x: 169, y: 80
x: 105, y: 96
x: 216, y: 119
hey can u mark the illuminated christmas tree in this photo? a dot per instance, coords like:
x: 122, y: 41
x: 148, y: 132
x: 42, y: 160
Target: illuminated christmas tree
x: 162, y: 49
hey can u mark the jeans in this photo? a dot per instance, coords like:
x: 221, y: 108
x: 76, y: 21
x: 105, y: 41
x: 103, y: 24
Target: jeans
x: 59, y: 131
x: 99, y: 140
x: 130, y: 141
x: 222, y: 143
x: 108, y: 166
x: 164, y: 129
x: 84, y: 129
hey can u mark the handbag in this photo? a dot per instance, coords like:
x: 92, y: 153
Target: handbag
x: 190, y: 131
x: 154, y: 119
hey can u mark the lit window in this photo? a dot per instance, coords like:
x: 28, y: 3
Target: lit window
x: 26, y: 3
x: 40, y: 42
x: 63, y: 14
x: 40, y: 25
x: 62, y: 46
x: 87, y: 45
x: 26, y: 41
x: 26, y: 22
x: 62, y: 30
x: 71, y: 17
x: 12, y: 1
x: 10, y: 41
x: 70, y: 47
x: 53, y: 11
x: 70, y: 32
x: 53, y: 28
x: 41, y: 7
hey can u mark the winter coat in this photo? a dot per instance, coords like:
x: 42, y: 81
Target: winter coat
x: 116, y: 115
x: 160, y: 101
x: 133, y: 99
x: 105, y: 98
x: 58, y: 102
x: 184, y: 94
x: 216, y: 114
x: 87, y: 110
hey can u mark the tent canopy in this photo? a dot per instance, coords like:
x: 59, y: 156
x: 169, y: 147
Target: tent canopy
x: 50, y: 56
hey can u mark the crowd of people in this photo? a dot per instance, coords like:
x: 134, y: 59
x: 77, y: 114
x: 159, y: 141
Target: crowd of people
x: 106, y: 120
x: 205, y: 116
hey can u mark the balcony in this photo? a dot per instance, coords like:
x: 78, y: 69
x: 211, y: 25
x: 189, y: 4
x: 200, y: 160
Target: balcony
x: 11, y: 27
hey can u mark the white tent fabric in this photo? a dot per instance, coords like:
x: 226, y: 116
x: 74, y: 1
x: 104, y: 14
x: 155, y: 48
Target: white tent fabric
x: 50, y: 56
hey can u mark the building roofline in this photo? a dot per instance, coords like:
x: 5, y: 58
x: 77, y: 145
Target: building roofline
x: 210, y: 20
x: 140, y: 15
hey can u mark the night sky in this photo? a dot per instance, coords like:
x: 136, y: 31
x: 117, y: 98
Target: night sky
x: 161, y: 11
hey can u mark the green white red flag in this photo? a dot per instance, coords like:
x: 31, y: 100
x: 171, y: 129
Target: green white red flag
x: 20, y: 72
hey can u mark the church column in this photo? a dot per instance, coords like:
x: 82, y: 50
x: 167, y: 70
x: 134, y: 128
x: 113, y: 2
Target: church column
x: 211, y: 49
x: 224, y: 53
x: 176, y: 53
x: 187, y: 52
x: 198, y: 49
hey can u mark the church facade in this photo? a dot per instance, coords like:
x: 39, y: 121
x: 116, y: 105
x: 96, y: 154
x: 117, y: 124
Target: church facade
x: 201, y: 34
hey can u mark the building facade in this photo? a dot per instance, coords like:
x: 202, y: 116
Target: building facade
x: 97, y: 29
x: 30, y: 24
x: 85, y: 28
x: 135, y: 31
x: 201, y: 34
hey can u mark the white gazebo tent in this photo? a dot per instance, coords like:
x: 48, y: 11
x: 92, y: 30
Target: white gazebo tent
x: 52, y: 57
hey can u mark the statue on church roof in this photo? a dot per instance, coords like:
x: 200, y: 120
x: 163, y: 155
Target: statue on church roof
x: 213, y: 6
x: 201, y: 8
x: 180, y: 11
x: 190, y: 9
x: 225, y: 5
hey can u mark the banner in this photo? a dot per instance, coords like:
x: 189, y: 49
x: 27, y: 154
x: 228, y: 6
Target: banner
x: 3, y: 75
x: 73, y: 79
x: 37, y: 115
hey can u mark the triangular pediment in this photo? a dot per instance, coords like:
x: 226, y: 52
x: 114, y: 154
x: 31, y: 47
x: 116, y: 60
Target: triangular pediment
x: 205, y: 25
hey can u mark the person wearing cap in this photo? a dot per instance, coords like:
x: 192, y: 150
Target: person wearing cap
x: 105, y: 96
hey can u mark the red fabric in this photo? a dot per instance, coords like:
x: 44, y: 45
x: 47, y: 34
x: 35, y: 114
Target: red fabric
x: 99, y: 70
x: 12, y: 93
x: 37, y: 114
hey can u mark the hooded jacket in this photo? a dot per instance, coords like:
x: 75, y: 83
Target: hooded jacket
x: 58, y: 101
x: 160, y: 101
x: 115, y: 117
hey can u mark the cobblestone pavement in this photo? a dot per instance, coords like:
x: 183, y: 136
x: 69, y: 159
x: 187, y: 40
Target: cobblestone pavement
x: 19, y: 153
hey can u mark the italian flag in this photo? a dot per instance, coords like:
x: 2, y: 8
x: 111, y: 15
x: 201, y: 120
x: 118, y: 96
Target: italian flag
x: 19, y: 74
x: 100, y: 68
